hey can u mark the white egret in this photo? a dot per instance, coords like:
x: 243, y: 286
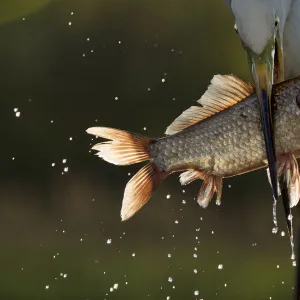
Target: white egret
x: 270, y: 33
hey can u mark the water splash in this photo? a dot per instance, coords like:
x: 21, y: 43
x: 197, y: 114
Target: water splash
x: 290, y: 219
x: 275, y: 228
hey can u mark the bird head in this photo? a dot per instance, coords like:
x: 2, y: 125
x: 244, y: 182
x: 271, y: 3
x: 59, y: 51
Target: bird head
x: 260, y: 25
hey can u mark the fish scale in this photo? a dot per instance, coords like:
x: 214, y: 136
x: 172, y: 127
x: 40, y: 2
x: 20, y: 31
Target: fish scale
x: 231, y: 141
x: 220, y: 138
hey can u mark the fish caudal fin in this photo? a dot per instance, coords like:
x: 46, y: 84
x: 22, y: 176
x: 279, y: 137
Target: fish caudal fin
x: 139, y: 190
x: 126, y: 148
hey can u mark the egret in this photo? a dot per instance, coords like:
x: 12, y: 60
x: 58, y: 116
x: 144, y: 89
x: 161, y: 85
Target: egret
x: 270, y: 33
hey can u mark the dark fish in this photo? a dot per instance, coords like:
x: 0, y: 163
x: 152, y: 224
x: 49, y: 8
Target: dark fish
x: 220, y: 138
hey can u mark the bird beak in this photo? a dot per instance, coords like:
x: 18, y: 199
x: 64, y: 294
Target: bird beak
x: 278, y: 59
x: 267, y: 69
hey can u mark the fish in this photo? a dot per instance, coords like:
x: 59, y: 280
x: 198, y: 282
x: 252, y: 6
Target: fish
x: 220, y: 137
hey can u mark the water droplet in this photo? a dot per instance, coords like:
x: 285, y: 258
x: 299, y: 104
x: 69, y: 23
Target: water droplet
x: 47, y: 287
x: 66, y: 169
x: 274, y: 230
x: 196, y: 293
x: 168, y: 196
x: 176, y: 221
x: 169, y: 255
x: 116, y: 98
x: 53, y: 165
x: 133, y: 254
x: 275, y: 216
x: 163, y: 80
x: 18, y: 114
x: 282, y: 233
x: 70, y: 23
x: 220, y: 266
x: 170, y: 279
x: 116, y: 285
x: 183, y: 202
x: 195, y: 271
x: 290, y: 217
x: 108, y: 241
x: 64, y: 160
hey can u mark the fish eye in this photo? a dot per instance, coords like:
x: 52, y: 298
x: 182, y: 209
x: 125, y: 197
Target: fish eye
x: 298, y: 100
x: 277, y: 21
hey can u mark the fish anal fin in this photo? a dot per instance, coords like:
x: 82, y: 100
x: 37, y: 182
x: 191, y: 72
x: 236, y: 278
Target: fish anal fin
x: 224, y: 91
x: 210, y: 186
x: 190, y: 176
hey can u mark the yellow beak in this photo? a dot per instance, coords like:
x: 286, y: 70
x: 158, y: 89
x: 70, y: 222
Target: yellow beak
x: 267, y: 68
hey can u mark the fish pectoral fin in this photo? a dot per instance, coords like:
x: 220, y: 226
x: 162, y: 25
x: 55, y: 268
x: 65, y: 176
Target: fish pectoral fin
x: 210, y: 186
x: 288, y: 167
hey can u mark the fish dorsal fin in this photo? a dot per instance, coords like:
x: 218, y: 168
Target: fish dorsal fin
x: 223, y: 92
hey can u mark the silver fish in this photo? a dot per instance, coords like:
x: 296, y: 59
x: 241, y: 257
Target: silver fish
x: 220, y: 138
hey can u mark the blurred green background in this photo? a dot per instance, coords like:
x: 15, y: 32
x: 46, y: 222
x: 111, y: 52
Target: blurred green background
x: 63, y: 65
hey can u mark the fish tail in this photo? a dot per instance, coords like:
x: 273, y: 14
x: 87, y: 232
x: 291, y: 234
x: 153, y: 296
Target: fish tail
x: 125, y: 148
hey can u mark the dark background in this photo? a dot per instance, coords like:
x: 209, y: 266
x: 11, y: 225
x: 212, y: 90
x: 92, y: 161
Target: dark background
x: 54, y: 224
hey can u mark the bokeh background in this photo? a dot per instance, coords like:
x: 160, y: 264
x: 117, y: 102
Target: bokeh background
x: 132, y: 64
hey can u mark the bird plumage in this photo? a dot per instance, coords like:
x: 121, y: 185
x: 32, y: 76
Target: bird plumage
x: 255, y: 21
x: 291, y: 41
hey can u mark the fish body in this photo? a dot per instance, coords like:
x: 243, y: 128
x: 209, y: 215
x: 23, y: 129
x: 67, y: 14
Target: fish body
x: 231, y: 142
x: 220, y: 138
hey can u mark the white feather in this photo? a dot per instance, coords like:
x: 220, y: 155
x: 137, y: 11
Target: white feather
x: 255, y: 19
